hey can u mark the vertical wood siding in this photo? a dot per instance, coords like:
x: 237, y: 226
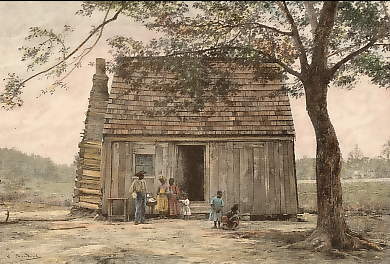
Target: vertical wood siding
x: 259, y: 176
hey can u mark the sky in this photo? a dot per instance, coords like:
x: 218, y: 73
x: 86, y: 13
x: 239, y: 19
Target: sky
x: 50, y: 125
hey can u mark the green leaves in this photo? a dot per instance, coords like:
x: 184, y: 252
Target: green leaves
x: 44, y: 44
x: 375, y: 66
x: 11, y: 97
x: 247, y: 32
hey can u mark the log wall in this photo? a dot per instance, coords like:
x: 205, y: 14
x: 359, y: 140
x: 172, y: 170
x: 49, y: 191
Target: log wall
x: 87, y: 190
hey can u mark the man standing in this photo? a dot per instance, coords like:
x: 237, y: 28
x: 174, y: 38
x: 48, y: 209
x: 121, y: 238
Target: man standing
x: 138, y: 190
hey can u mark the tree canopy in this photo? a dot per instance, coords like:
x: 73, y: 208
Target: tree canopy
x: 250, y: 32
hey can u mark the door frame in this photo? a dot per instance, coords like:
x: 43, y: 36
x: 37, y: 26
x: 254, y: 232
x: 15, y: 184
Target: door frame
x: 206, y: 160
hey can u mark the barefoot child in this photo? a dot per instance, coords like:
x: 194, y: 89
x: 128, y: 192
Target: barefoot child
x: 216, y: 209
x: 186, y: 207
x: 232, y: 219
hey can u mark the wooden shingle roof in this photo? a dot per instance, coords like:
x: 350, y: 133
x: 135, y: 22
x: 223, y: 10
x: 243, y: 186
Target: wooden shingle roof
x: 254, y: 110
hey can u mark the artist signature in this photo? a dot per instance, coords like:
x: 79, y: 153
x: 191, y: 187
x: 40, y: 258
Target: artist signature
x: 23, y: 256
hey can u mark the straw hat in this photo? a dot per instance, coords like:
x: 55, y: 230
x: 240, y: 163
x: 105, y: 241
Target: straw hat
x: 140, y: 173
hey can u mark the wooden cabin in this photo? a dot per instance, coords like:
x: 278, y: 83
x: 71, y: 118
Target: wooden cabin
x: 245, y: 149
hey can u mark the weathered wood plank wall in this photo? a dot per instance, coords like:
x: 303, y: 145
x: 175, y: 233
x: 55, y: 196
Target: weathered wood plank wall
x: 259, y: 176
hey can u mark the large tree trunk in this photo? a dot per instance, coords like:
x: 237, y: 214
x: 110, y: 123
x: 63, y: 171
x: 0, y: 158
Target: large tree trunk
x: 331, y: 225
x: 332, y: 230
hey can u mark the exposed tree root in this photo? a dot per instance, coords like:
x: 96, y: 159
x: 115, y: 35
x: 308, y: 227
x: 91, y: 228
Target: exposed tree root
x: 321, y: 241
x: 358, y: 242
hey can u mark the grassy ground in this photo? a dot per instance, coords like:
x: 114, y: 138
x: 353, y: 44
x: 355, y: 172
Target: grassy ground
x: 38, y: 191
x: 367, y: 197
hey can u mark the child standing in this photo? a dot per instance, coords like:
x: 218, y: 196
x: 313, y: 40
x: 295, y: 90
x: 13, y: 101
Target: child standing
x: 186, y: 207
x: 216, y: 209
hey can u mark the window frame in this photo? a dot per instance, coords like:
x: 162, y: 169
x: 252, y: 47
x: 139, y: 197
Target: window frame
x: 153, y: 164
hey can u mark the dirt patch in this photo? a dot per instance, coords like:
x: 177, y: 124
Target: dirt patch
x: 87, y: 241
x: 282, y: 238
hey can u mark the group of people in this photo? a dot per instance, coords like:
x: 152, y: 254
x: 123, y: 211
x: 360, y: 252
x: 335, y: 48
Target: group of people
x: 172, y: 203
x: 168, y: 199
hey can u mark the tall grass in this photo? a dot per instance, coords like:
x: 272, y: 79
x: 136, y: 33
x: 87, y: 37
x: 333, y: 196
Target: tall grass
x: 357, y: 196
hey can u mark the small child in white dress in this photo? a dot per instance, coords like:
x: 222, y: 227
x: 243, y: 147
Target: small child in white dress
x: 186, y: 211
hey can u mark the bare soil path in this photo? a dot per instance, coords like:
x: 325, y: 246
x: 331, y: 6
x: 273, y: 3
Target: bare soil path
x: 51, y: 236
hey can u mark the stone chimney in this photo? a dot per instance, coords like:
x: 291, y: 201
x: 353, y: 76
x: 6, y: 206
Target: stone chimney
x: 87, y: 182
x: 97, y: 104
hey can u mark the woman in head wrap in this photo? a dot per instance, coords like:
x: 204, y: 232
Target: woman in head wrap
x: 162, y: 198
x: 172, y: 198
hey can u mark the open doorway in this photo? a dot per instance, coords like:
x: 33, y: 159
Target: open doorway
x: 191, y: 162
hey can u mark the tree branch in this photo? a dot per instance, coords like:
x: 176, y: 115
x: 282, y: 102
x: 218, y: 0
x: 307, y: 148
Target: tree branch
x: 351, y: 56
x: 259, y: 25
x: 311, y: 15
x: 295, y: 34
x: 100, y: 27
x: 86, y: 51
x: 268, y: 56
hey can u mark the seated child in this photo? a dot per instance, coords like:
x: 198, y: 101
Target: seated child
x: 186, y: 211
x: 232, y: 218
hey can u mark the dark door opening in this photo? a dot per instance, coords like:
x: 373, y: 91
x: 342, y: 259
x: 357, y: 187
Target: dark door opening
x: 192, y: 162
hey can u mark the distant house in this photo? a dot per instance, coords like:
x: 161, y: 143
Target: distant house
x: 245, y: 148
